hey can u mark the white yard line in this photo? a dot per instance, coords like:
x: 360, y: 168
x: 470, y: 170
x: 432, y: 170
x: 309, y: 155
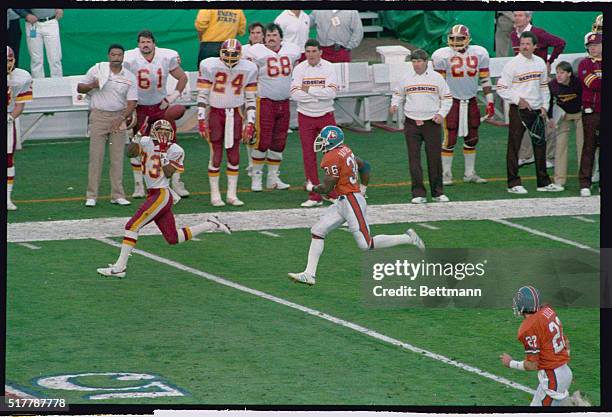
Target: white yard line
x: 301, y: 218
x: 29, y: 246
x: 583, y: 219
x: 17, y: 393
x: 319, y: 314
x: 265, y: 232
x: 428, y: 226
x: 546, y: 235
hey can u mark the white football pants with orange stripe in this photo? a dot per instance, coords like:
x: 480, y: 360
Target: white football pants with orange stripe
x: 554, y: 386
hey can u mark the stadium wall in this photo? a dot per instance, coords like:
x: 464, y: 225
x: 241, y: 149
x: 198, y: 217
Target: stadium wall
x: 86, y: 33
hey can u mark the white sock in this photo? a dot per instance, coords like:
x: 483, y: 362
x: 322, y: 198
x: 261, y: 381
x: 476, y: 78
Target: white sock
x: 213, y: 180
x: 232, y: 182
x: 314, y: 253
x: 387, y: 241
x: 258, y: 158
x: 10, y: 174
x: 176, y: 178
x: 470, y: 162
x: 201, y: 228
x: 129, y: 242
x: 447, y: 165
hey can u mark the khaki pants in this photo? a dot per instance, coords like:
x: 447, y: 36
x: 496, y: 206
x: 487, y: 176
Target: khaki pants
x: 563, y: 130
x: 99, y: 127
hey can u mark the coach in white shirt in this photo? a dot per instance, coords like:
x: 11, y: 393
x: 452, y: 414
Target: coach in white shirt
x: 427, y: 102
x: 524, y: 84
x: 296, y: 26
x: 113, y: 94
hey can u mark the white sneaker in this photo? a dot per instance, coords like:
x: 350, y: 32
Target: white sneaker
x: 180, y: 189
x: 441, y: 199
x: 595, y: 177
x: 550, y: 164
x: 120, y: 201
x: 329, y: 199
x: 236, y: 202
x: 303, y: 278
x: 217, y: 203
x: 552, y: 187
x: 273, y: 182
x: 111, y: 272
x: 90, y: 202
x: 585, y: 192
x: 416, y: 239
x: 418, y: 200
x: 311, y: 203
x: 139, y: 191
x: 447, y: 180
x: 517, y: 189
x: 475, y: 179
x: 10, y: 205
x: 221, y: 227
x: 527, y: 161
x: 256, y: 181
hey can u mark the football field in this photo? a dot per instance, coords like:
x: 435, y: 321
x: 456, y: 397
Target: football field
x: 216, y: 321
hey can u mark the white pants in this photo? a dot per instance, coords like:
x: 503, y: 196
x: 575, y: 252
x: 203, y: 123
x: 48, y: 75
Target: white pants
x: 351, y: 209
x: 554, y: 386
x: 10, y: 137
x: 47, y: 38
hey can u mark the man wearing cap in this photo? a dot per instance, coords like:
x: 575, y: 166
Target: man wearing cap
x: 427, y: 102
x: 590, y: 72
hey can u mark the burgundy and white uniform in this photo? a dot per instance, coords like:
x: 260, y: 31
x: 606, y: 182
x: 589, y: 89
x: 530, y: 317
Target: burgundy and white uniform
x: 19, y: 90
x: 315, y: 110
x: 224, y: 91
x: 462, y: 72
x: 158, y: 205
x: 273, y: 91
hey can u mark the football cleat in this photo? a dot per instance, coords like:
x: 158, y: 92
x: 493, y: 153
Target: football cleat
x: 111, y: 272
x: 416, y: 239
x: 10, y: 205
x: 418, y: 200
x: 303, y: 278
x: 217, y: 203
x: 273, y: 182
x: 119, y: 201
x: 221, y: 227
x: 474, y: 179
x: 441, y: 199
x: 236, y: 202
x: 311, y: 203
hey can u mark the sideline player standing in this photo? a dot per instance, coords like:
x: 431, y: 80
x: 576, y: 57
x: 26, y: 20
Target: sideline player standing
x: 314, y: 87
x: 275, y: 61
x: 463, y: 66
x: 342, y: 171
x: 225, y: 85
x: 161, y: 157
x: 546, y: 348
x: 151, y: 66
x: 19, y: 91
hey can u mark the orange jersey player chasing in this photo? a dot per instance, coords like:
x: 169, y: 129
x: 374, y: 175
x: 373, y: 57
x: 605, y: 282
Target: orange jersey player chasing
x: 546, y: 348
x: 342, y: 173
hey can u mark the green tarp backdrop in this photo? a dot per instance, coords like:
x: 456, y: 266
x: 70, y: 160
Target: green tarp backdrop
x: 86, y: 33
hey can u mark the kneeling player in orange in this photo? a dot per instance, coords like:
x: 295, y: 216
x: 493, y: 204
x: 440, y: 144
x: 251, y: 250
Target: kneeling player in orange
x: 342, y: 172
x: 161, y: 157
x: 546, y: 348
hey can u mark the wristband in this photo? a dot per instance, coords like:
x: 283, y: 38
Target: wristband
x: 490, y: 98
x: 520, y: 365
x: 309, y: 187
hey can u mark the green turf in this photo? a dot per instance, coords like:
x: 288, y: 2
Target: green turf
x: 60, y: 172
x: 223, y: 346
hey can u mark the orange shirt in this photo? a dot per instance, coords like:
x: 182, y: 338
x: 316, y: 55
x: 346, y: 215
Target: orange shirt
x: 341, y: 163
x: 542, y: 335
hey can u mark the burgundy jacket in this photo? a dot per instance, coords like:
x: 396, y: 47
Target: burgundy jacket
x: 589, y: 72
x: 545, y: 41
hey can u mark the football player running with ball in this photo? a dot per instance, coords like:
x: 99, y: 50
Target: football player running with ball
x: 342, y: 172
x: 546, y: 348
x: 161, y: 157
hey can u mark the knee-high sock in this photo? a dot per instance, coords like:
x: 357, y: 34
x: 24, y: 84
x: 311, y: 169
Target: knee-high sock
x: 314, y: 253
x: 387, y: 241
x: 469, y: 154
x: 258, y: 158
x: 447, y: 164
x: 213, y: 180
x: 187, y: 233
x: 274, y: 160
x: 10, y: 177
x: 129, y: 242
x: 232, y: 181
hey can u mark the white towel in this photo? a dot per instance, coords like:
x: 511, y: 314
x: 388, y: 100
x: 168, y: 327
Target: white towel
x: 463, y: 118
x: 103, y: 73
x: 229, y: 128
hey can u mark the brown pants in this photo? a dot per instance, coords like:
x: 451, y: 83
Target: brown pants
x: 431, y: 134
x: 590, y: 124
x: 515, y: 136
x: 99, y: 128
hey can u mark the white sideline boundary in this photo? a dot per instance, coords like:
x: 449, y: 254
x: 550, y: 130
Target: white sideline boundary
x: 316, y: 313
x: 17, y: 393
x: 259, y: 220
